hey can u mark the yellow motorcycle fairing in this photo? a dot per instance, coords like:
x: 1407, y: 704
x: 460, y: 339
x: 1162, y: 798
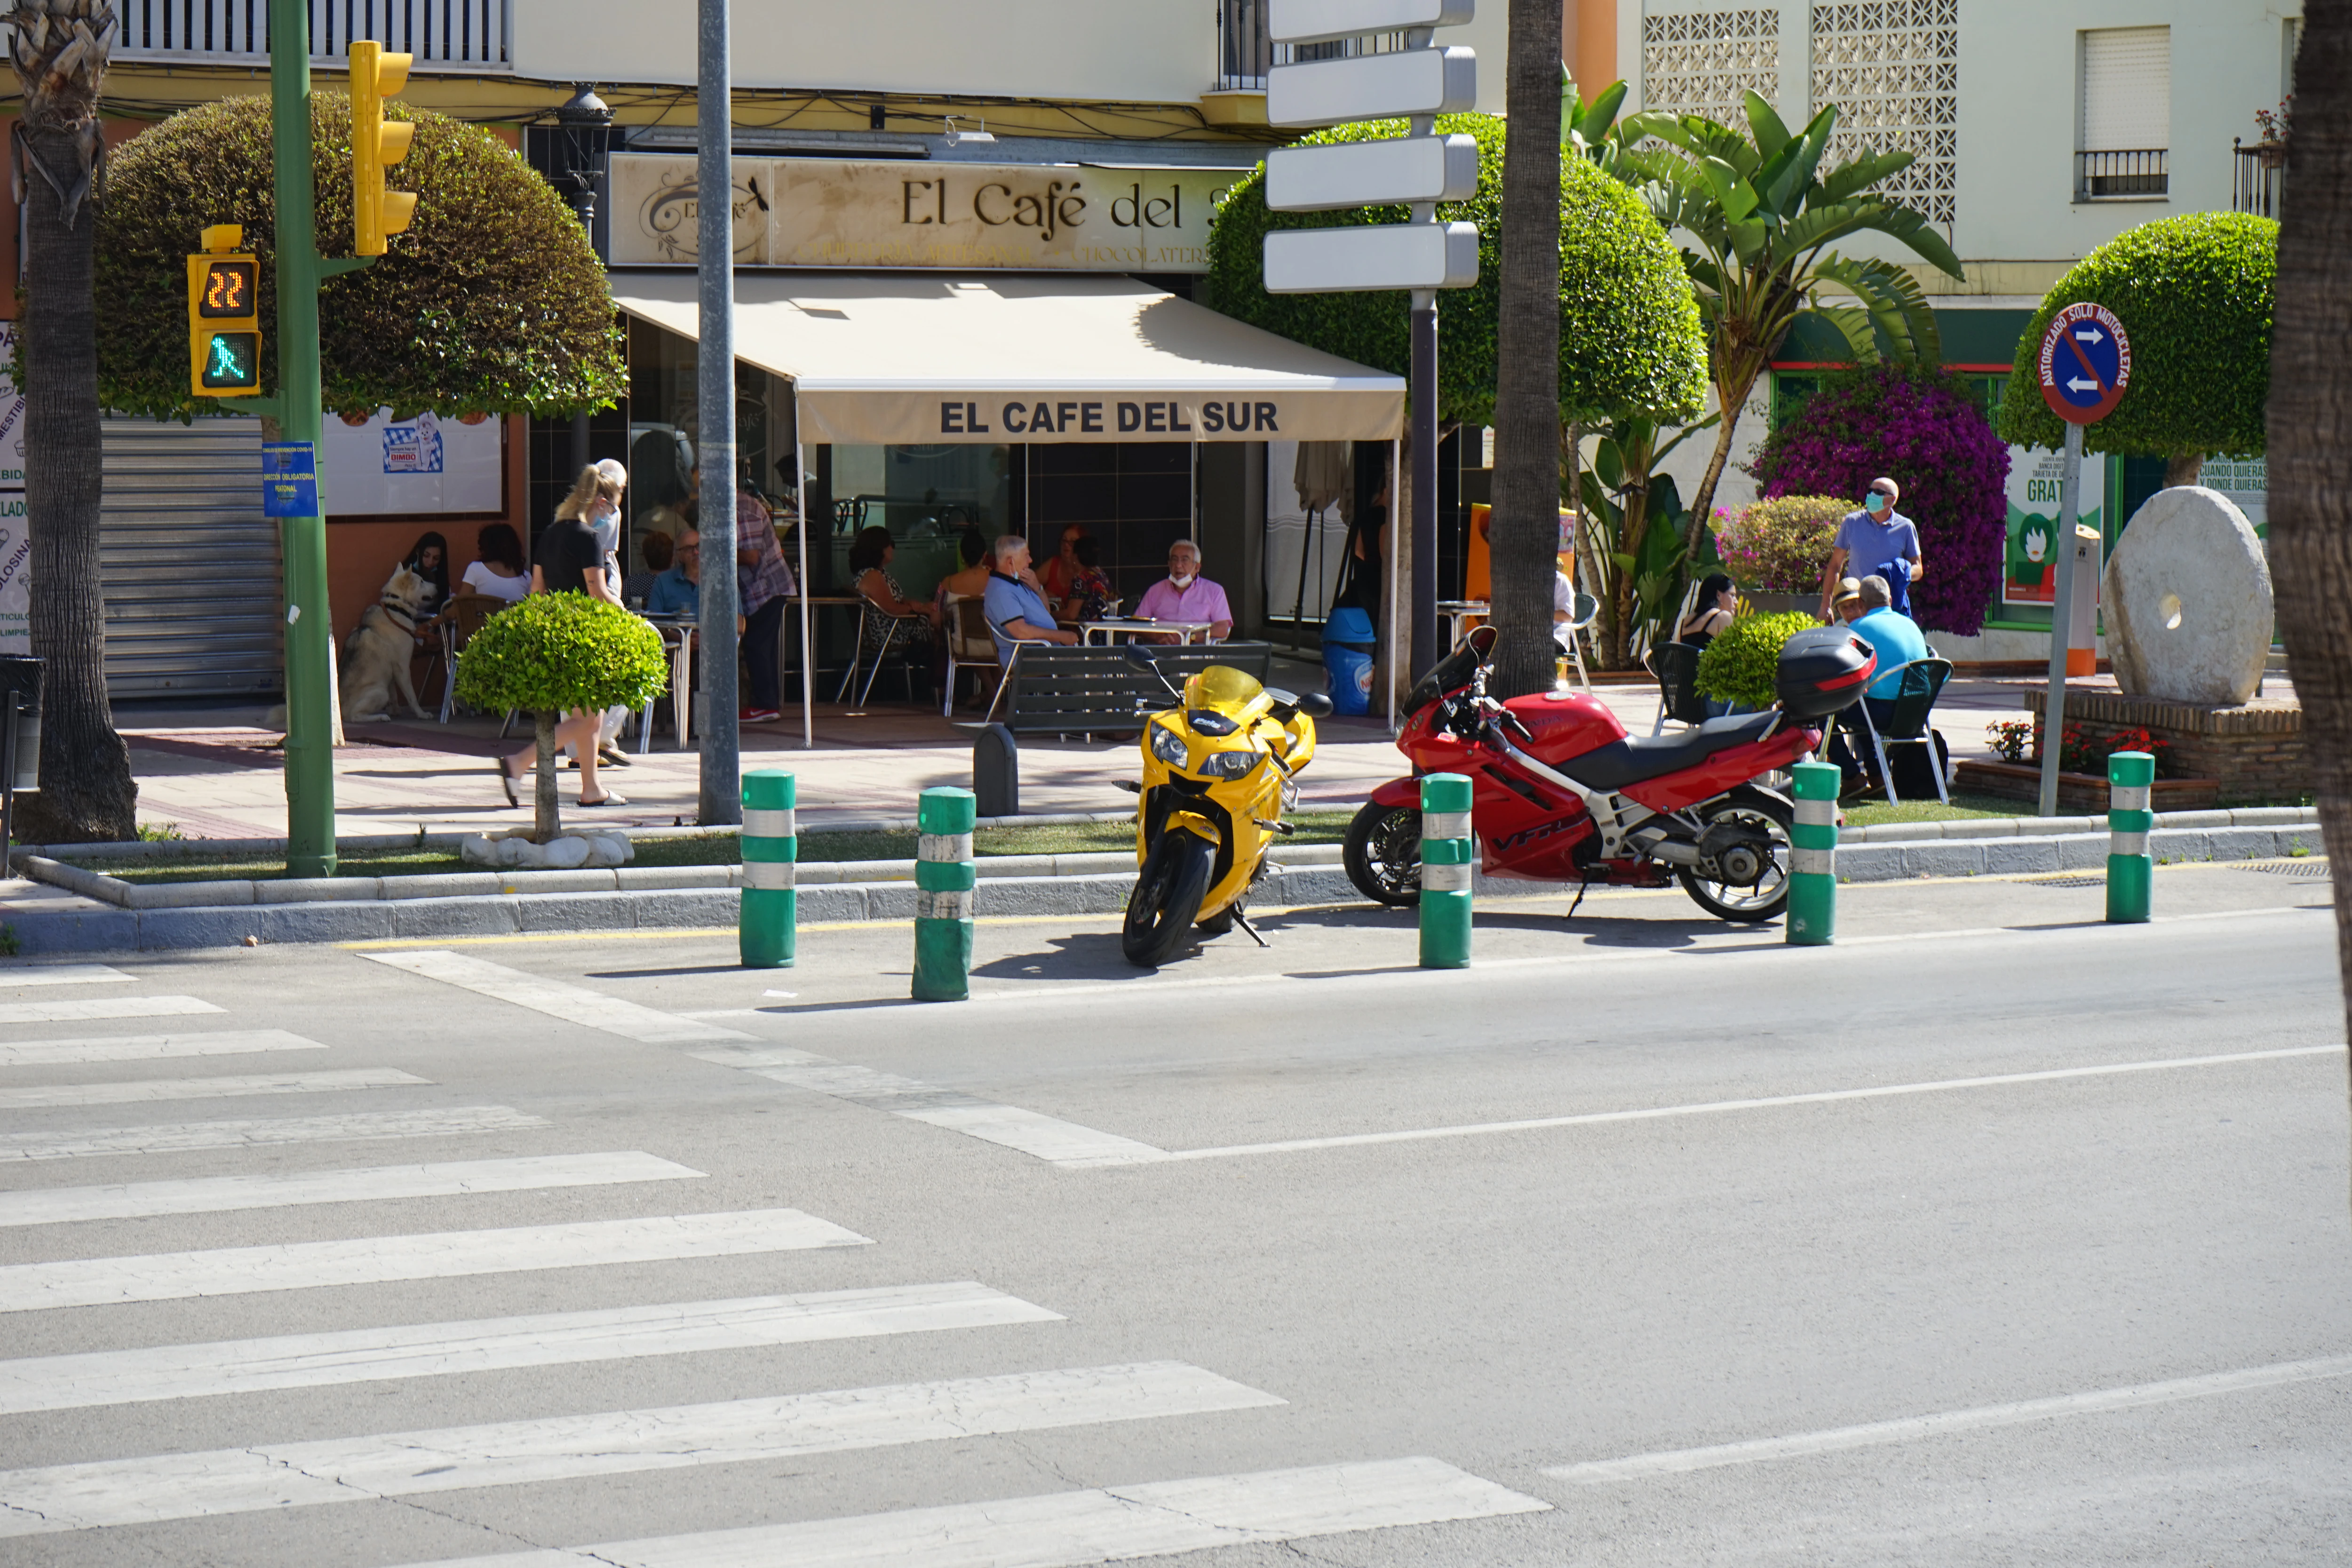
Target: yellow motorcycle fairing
x: 1217, y: 767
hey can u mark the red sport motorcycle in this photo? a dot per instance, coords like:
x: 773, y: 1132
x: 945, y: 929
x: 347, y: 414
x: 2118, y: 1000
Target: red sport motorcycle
x: 1560, y: 793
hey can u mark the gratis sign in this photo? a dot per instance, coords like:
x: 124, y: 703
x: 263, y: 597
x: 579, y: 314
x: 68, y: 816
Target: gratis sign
x: 2085, y: 364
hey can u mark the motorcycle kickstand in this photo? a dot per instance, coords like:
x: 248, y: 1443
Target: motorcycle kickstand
x: 1581, y: 888
x: 1242, y: 920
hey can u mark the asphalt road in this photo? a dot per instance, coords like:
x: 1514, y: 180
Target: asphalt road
x: 1991, y: 1235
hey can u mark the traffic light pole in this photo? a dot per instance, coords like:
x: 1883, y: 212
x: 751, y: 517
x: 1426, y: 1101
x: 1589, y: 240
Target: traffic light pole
x: 309, y: 631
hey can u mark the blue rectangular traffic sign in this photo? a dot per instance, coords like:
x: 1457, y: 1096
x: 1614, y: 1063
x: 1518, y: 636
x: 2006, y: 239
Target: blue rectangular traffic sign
x: 289, y: 478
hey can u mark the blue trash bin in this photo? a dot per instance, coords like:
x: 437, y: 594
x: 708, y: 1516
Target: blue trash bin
x: 1348, y: 641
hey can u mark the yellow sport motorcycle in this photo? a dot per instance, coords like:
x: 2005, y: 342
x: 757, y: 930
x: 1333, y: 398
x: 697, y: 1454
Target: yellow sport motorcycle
x: 1218, y: 772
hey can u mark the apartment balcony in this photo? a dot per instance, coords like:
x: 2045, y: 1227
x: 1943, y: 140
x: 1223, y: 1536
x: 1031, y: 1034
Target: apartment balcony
x: 444, y: 35
x: 2254, y: 175
x: 2127, y: 175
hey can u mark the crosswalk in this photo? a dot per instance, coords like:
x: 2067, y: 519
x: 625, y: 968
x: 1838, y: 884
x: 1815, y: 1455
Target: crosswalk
x: 602, y: 1298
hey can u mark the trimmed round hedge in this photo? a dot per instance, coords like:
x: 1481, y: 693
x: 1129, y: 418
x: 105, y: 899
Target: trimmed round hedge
x: 2195, y: 293
x: 492, y: 302
x: 1629, y: 339
x: 1742, y: 662
x: 550, y: 652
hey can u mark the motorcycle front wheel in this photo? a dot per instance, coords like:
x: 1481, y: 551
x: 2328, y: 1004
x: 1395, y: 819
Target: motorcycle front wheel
x: 1768, y: 896
x: 1382, y: 854
x: 1168, y: 894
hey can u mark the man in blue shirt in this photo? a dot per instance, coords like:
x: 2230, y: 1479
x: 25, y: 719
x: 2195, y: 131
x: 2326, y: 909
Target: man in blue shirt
x: 1893, y: 634
x: 677, y: 591
x: 1015, y: 603
x: 1876, y: 540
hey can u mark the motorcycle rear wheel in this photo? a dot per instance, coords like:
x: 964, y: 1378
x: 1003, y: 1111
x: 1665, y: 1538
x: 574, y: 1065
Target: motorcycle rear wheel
x: 1769, y: 896
x: 1382, y: 854
x: 1168, y: 893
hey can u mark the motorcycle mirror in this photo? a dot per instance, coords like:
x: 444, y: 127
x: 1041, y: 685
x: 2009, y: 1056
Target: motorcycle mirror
x: 1483, y: 639
x: 1314, y: 705
x: 1143, y: 657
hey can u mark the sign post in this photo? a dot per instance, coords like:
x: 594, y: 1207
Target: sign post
x: 1421, y: 169
x: 2085, y: 365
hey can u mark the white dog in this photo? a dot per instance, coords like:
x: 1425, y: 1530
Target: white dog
x: 376, y: 655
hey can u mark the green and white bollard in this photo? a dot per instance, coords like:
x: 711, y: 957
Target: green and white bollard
x: 1446, y: 849
x: 1813, y: 857
x: 944, y: 877
x: 2131, y: 779
x: 771, y: 847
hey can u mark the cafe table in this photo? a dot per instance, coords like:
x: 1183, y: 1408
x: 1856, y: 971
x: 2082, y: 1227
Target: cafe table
x: 1108, y: 630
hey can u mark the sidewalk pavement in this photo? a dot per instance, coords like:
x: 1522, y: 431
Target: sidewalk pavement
x: 216, y: 773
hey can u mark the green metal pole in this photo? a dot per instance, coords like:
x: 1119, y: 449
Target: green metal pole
x: 944, y: 878
x: 1445, y: 850
x: 2131, y: 873
x: 1813, y: 856
x: 309, y: 630
x: 768, y: 934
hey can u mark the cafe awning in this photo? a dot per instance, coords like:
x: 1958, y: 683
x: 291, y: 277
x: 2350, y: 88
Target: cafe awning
x: 908, y: 358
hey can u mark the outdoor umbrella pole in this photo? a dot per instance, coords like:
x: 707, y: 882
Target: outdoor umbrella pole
x: 808, y: 651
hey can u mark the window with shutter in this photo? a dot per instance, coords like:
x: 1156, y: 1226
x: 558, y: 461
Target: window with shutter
x: 2125, y: 127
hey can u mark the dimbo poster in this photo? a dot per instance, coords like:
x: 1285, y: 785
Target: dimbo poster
x: 425, y: 466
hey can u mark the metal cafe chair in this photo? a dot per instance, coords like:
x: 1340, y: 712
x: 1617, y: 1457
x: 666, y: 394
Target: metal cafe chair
x: 1904, y: 722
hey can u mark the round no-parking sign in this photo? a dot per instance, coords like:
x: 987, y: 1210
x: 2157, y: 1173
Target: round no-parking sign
x: 2085, y: 364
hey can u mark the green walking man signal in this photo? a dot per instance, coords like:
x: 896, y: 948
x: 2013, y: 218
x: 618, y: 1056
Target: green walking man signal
x: 223, y: 320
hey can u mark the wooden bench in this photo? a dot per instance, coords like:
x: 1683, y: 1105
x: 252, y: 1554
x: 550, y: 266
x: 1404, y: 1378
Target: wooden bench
x: 1057, y: 691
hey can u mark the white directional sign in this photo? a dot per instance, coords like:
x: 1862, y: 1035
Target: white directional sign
x: 1370, y: 87
x: 1359, y: 257
x: 1372, y: 174
x: 1317, y: 21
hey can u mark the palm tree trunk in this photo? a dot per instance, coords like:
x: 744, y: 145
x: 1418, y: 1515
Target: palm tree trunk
x: 2183, y: 469
x: 1730, y: 396
x: 2310, y: 444
x: 1526, y: 523
x: 86, y: 792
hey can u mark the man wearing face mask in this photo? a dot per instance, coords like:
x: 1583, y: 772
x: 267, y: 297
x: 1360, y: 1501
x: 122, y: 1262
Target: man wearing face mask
x: 1877, y: 540
x: 1185, y: 595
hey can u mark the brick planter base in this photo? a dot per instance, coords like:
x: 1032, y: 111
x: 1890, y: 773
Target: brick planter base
x: 2251, y: 752
x: 2079, y: 794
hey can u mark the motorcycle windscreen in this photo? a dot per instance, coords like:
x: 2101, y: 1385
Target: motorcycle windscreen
x: 1221, y: 686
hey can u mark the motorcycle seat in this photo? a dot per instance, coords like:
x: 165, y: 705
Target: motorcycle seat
x: 1637, y: 757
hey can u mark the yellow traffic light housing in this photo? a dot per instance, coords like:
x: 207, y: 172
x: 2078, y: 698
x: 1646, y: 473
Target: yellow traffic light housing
x: 224, y: 321
x: 377, y: 143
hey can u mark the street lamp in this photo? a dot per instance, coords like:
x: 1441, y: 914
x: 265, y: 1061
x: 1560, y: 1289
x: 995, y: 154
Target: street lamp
x: 584, y: 125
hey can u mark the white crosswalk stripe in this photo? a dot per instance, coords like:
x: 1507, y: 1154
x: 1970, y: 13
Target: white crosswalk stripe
x: 67, y: 1012
x: 1063, y: 1530
x: 221, y: 1194
x: 547, y: 1339
x: 143, y: 1048
x: 13, y: 975
x: 176, y: 1137
x: 302, y: 1266
x: 510, y: 1453
x: 572, y: 1004
x: 45, y: 1096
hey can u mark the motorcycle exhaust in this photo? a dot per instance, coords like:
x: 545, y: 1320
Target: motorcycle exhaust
x: 1654, y: 843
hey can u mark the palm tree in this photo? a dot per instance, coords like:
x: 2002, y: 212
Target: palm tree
x: 1764, y: 218
x: 2310, y: 442
x: 60, y: 51
x: 1526, y: 525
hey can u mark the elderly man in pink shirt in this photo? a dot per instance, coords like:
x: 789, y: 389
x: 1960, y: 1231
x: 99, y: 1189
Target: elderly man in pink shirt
x: 1185, y: 595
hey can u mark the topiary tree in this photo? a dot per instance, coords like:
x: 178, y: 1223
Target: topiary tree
x: 1629, y: 332
x: 1741, y: 664
x: 1918, y: 427
x: 1778, y: 546
x: 492, y: 302
x: 2195, y: 294
x: 557, y: 651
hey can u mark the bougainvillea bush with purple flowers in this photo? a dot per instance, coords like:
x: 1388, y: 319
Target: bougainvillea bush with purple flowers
x: 1918, y: 427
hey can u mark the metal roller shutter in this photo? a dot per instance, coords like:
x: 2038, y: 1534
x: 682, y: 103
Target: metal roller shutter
x: 2126, y: 90
x: 189, y: 563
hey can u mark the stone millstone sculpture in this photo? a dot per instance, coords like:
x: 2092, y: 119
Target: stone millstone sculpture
x: 2187, y: 601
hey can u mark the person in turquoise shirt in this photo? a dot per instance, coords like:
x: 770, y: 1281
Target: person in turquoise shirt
x: 1894, y: 634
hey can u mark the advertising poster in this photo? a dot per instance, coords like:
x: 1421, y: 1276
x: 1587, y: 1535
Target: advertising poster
x: 16, y: 542
x: 425, y: 466
x: 2029, y: 576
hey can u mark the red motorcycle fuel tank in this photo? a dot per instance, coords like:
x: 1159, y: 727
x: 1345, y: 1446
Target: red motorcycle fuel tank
x: 1565, y: 724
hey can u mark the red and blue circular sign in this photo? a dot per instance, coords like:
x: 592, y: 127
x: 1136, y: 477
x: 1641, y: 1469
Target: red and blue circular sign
x: 2085, y: 364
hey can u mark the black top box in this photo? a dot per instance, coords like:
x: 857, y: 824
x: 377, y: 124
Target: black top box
x: 1822, y: 672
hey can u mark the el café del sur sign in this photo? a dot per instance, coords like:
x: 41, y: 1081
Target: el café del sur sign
x: 823, y: 212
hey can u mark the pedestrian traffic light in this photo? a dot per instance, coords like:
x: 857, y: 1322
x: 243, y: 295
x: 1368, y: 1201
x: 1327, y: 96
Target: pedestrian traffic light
x: 377, y: 143
x: 224, y: 323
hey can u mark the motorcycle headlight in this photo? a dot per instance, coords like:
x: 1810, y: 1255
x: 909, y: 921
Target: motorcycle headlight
x: 1230, y: 764
x: 1168, y: 745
